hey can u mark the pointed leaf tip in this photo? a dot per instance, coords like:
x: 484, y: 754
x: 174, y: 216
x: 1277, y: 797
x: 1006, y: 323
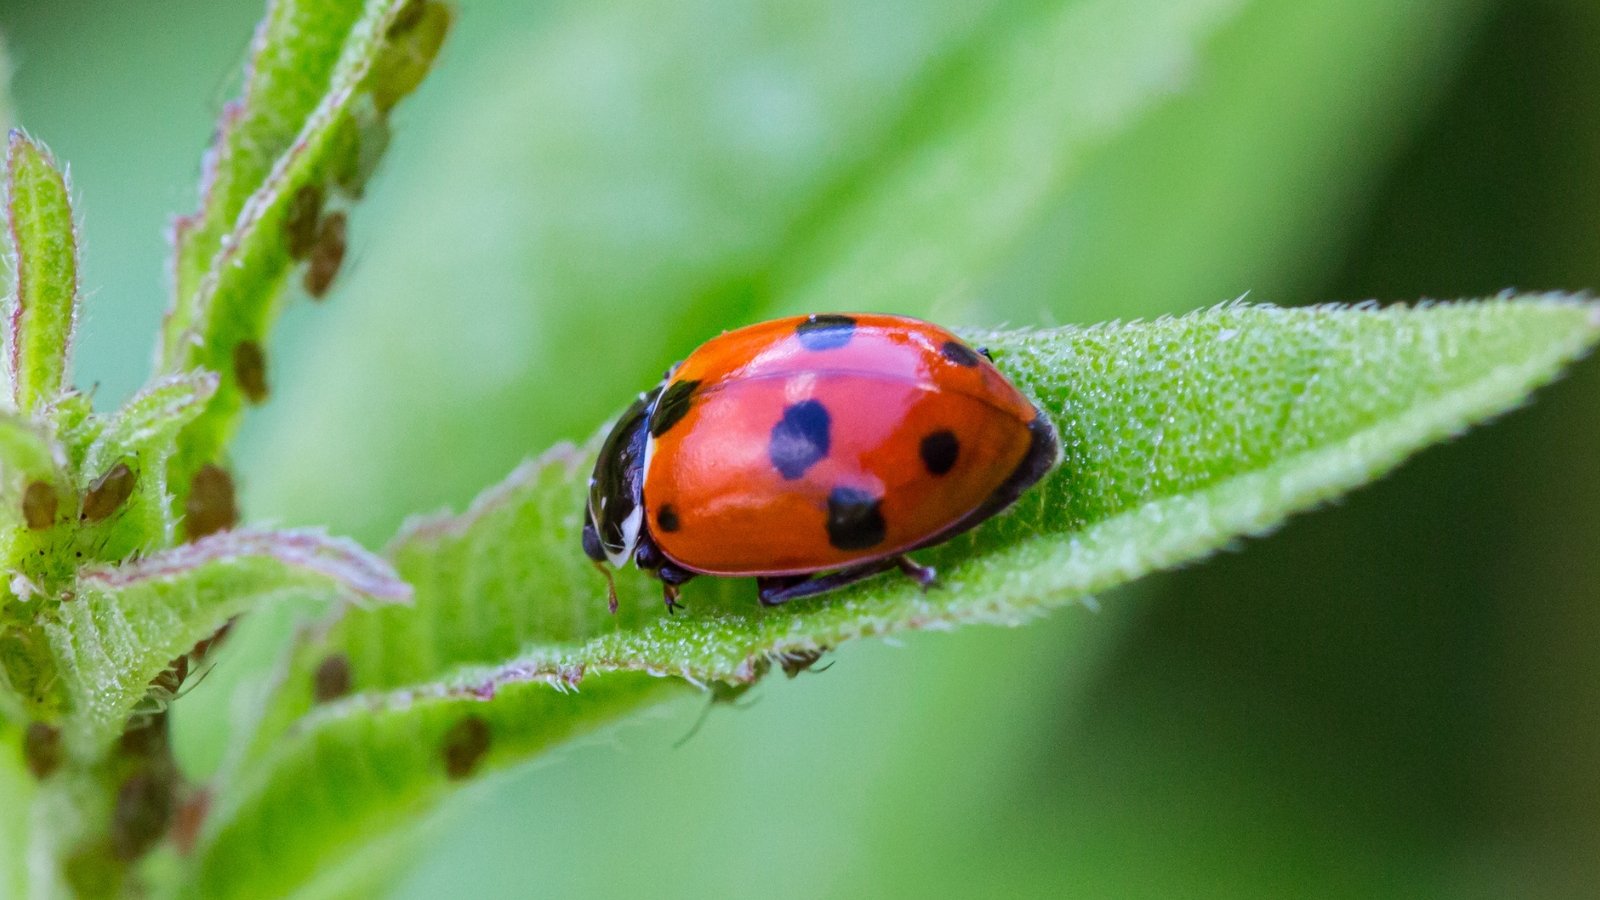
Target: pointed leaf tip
x: 42, y: 304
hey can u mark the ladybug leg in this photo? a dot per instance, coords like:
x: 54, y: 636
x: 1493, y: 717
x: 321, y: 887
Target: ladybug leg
x: 671, y: 578
x: 778, y: 590
x: 925, y: 576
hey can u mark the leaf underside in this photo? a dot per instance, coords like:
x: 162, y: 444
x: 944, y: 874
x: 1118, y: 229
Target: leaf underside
x: 1180, y: 436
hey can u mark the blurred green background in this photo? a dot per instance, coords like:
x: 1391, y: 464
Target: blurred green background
x: 1398, y: 696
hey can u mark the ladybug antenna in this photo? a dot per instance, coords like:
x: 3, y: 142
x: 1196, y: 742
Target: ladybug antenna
x: 611, y: 586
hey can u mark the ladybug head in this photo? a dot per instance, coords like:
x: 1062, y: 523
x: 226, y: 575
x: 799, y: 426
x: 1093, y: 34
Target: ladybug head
x: 614, y: 516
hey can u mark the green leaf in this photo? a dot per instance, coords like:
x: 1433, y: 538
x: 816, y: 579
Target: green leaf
x: 1180, y: 435
x: 292, y: 61
x: 25, y: 452
x: 128, y: 622
x: 17, y: 786
x: 263, y: 208
x: 42, y: 309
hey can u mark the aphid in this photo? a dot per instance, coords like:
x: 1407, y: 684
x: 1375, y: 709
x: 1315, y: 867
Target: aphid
x: 169, y: 681
x: 300, y: 221
x: 209, y: 508
x: 812, y: 452
x: 250, y: 370
x: 39, y: 505
x: 332, y: 678
x: 464, y: 746
x: 108, y: 492
x: 327, y: 255
x: 41, y: 748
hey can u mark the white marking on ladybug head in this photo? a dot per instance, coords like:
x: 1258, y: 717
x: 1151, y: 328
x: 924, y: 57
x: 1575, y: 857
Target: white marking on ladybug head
x: 630, y: 538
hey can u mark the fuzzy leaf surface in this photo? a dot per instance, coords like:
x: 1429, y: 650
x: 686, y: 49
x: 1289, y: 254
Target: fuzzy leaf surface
x: 292, y: 59
x: 128, y: 622
x: 42, y: 308
x: 231, y: 305
x: 1180, y: 435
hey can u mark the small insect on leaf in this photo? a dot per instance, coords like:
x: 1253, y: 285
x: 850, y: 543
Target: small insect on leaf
x: 412, y: 43
x: 250, y: 370
x: 327, y: 255
x: 464, y: 746
x: 39, y: 505
x: 41, y: 748
x: 167, y: 684
x: 332, y: 679
x: 210, y: 506
x: 108, y: 492
x: 361, y: 143
x: 406, y: 19
x: 300, y: 221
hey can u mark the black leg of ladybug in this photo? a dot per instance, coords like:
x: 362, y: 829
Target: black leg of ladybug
x: 775, y: 591
x: 671, y: 578
x: 669, y: 596
x: 925, y: 576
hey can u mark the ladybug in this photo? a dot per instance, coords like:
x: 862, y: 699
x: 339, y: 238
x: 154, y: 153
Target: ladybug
x: 812, y: 452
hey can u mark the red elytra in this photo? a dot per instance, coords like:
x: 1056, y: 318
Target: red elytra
x: 811, y: 452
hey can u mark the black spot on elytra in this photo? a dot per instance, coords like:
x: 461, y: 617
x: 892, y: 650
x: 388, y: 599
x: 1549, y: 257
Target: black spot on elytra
x: 959, y: 353
x: 800, y: 439
x: 672, y: 407
x: 939, y: 451
x: 667, y: 518
x: 825, y: 332
x: 855, y: 521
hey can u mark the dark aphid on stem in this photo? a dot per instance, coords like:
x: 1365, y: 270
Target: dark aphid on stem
x: 209, y: 508
x: 169, y: 681
x: 327, y: 255
x: 41, y: 748
x: 464, y: 746
x: 406, y: 19
x: 250, y: 370
x: 796, y: 661
x: 332, y: 679
x: 108, y: 492
x: 300, y: 221
x: 39, y: 505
